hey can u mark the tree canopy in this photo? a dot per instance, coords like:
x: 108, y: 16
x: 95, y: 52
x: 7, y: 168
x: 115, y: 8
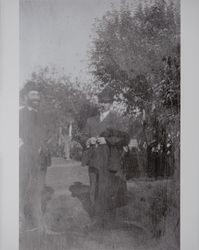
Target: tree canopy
x: 62, y: 100
x: 137, y: 53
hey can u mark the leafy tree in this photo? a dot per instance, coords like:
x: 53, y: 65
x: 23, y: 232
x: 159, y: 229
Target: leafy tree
x: 129, y: 48
x: 137, y: 52
x: 62, y: 101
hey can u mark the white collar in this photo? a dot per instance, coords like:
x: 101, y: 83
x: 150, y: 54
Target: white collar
x: 104, y: 115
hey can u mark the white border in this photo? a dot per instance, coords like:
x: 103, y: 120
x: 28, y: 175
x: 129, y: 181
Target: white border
x: 190, y: 126
x: 9, y: 79
x: 9, y: 75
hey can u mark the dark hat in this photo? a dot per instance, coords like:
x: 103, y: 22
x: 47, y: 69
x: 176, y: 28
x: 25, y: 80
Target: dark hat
x: 106, y: 95
x: 30, y: 86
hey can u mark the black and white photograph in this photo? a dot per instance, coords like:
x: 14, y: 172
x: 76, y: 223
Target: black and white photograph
x: 99, y: 124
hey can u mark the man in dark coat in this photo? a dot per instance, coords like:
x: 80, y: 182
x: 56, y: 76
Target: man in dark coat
x: 104, y: 141
x: 33, y: 158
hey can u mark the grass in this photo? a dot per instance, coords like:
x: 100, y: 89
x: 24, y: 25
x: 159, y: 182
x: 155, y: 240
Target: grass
x: 70, y: 185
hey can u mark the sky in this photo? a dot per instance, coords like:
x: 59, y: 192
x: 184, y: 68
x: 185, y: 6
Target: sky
x: 58, y: 33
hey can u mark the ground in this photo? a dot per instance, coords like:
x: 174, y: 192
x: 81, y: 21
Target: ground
x: 66, y: 206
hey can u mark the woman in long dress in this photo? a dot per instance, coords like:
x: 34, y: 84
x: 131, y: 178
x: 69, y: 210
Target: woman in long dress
x: 105, y: 142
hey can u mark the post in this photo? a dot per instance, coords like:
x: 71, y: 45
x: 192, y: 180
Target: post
x: 70, y: 129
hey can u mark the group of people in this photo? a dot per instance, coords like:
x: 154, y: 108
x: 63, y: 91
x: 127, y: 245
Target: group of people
x: 104, y: 144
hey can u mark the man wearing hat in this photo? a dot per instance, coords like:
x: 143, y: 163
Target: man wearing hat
x: 104, y: 142
x: 33, y: 158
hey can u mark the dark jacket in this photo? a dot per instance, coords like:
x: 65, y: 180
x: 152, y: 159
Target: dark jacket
x: 111, y: 130
x: 106, y: 160
x: 32, y: 131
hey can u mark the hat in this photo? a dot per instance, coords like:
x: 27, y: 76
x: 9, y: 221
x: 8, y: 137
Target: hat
x: 106, y: 95
x: 30, y: 86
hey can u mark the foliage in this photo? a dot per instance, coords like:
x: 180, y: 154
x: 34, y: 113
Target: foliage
x: 137, y: 52
x: 63, y: 101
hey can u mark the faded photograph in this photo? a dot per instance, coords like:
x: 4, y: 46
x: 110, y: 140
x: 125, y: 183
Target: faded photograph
x: 99, y: 125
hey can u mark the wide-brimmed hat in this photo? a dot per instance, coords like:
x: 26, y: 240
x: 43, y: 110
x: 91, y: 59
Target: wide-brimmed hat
x: 106, y: 95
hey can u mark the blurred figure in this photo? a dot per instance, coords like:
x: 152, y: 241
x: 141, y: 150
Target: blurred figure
x: 131, y: 160
x: 34, y: 158
x: 76, y: 150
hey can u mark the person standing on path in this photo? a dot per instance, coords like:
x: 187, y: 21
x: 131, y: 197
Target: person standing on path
x: 105, y: 140
x: 33, y: 158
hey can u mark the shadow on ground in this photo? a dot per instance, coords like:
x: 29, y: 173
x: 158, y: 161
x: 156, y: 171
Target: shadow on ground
x: 66, y: 208
x: 81, y: 191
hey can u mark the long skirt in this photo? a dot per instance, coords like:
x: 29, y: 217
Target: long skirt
x: 110, y: 189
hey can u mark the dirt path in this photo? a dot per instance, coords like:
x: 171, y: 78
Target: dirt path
x: 67, y: 211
